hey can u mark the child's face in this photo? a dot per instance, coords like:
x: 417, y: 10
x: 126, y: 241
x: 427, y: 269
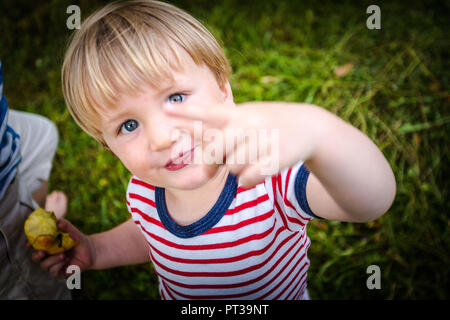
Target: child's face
x: 141, y: 134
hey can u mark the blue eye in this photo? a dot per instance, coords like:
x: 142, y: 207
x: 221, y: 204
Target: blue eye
x: 128, y: 126
x: 177, y: 98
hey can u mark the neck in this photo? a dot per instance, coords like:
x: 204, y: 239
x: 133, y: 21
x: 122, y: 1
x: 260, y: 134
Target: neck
x: 188, y: 206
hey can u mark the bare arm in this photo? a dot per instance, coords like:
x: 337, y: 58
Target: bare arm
x: 350, y: 178
x: 120, y: 246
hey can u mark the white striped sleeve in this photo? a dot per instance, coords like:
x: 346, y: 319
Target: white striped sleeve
x: 287, y: 190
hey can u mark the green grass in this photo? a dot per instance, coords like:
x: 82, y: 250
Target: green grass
x: 397, y: 93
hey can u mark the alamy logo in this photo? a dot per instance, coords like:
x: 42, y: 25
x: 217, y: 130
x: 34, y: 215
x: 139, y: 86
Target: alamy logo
x: 74, y: 20
x: 234, y: 146
x: 374, y: 20
x: 74, y: 280
x: 374, y: 281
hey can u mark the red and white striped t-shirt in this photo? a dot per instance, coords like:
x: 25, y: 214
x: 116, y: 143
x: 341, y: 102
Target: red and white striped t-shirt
x: 251, y: 245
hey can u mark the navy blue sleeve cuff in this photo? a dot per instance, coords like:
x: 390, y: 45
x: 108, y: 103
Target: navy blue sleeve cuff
x: 300, y: 190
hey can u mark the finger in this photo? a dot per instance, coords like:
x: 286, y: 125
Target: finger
x: 58, y: 269
x: 47, y: 263
x: 256, y: 173
x: 57, y: 203
x: 237, y: 159
x: 218, y: 144
x: 247, y: 180
x: 246, y: 145
x: 216, y: 115
x: 243, y: 149
x: 37, y: 256
x: 65, y: 226
x: 213, y: 148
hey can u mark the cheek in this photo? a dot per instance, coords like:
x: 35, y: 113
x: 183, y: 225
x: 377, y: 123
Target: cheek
x: 129, y: 154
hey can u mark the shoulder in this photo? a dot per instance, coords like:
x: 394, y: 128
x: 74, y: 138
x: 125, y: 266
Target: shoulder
x: 288, y: 191
x: 286, y: 180
x: 138, y: 189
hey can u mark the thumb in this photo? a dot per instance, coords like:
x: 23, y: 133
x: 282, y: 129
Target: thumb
x: 256, y: 173
x: 65, y: 226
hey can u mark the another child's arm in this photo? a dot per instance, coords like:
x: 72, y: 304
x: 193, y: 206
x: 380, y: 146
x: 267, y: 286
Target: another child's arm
x: 350, y: 178
x: 122, y: 245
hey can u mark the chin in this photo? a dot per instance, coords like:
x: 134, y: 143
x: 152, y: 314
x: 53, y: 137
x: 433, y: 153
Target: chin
x: 192, y: 176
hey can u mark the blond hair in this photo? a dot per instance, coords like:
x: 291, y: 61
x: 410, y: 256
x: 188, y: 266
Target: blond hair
x: 125, y: 45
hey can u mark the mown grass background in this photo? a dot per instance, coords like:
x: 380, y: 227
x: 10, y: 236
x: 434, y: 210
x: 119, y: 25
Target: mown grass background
x: 397, y: 92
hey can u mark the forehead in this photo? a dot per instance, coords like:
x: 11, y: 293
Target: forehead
x: 184, y: 71
x: 182, y: 74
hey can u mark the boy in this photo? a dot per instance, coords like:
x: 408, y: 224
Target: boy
x: 27, y: 146
x: 138, y: 77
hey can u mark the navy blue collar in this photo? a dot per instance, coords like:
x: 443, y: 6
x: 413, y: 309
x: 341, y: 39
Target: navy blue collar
x: 204, y: 224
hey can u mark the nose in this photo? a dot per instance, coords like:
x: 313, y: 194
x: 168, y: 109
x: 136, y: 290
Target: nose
x: 160, y: 135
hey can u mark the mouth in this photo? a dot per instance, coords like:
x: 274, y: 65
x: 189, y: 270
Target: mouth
x: 184, y: 158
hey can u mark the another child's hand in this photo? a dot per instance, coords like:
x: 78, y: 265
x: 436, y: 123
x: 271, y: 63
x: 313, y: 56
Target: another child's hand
x: 284, y: 136
x: 82, y: 255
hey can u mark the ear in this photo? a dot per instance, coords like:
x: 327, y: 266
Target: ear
x: 227, y: 93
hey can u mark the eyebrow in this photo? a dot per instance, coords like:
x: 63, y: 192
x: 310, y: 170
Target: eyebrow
x: 111, y: 124
x: 159, y: 92
x: 117, y: 117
